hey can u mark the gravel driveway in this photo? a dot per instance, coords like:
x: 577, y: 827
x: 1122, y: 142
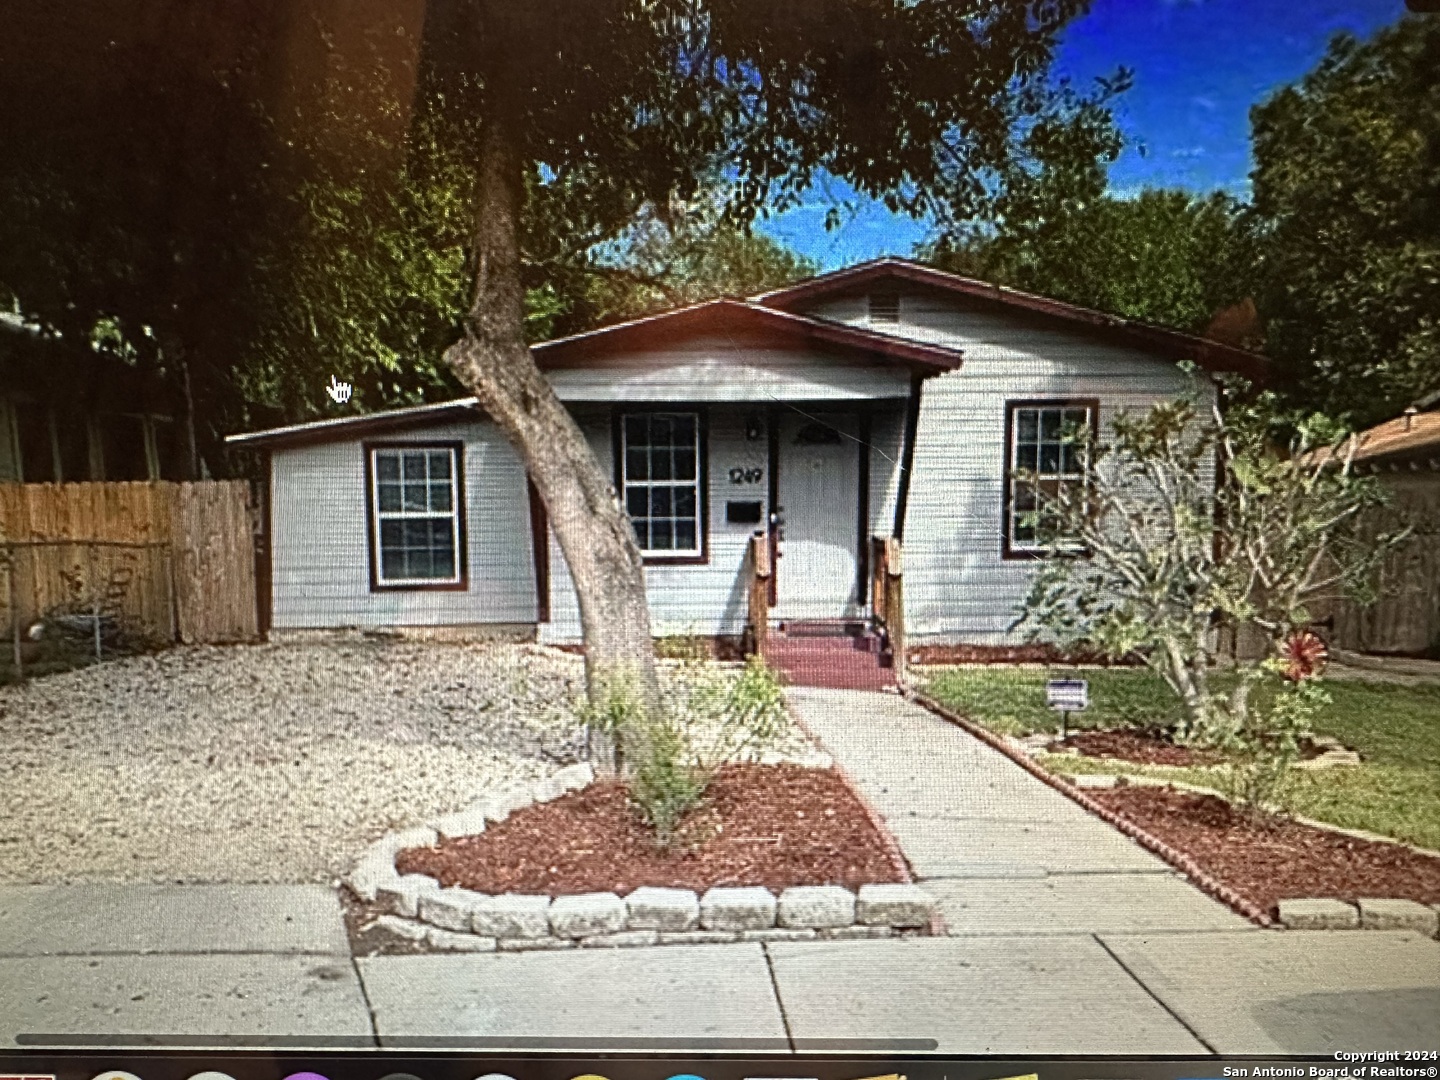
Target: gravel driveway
x: 266, y: 763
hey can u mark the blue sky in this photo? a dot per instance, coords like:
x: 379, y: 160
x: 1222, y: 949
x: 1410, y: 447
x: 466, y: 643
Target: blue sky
x: 1199, y: 65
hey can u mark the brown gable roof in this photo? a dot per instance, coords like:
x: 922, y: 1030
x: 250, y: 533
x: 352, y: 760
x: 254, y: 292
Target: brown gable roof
x: 738, y: 320
x: 752, y: 323
x: 1411, y: 434
x: 1213, y: 356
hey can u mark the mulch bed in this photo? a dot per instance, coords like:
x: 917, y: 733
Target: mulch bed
x: 1277, y: 860
x: 1136, y: 746
x: 773, y: 825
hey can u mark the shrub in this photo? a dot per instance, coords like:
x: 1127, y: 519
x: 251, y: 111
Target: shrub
x: 721, y: 717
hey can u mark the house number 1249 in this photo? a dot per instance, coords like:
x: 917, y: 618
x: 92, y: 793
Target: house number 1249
x: 746, y: 476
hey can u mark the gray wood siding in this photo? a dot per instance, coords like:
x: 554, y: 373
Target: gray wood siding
x: 958, y: 588
x: 321, y: 559
x: 720, y: 370
x: 684, y: 599
x: 887, y: 437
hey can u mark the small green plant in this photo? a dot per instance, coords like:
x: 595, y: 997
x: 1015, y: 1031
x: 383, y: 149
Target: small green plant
x: 689, y: 648
x: 667, y: 784
x: 735, y: 718
x: 613, y: 717
x: 672, y: 757
x: 1261, y: 745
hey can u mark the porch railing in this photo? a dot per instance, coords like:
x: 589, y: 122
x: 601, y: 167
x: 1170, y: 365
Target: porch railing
x: 757, y: 616
x: 887, y: 600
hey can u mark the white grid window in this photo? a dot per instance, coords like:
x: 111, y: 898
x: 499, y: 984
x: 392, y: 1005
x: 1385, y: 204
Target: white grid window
x: 660, y: 455
x: 416, y: 511
x: 1049, y: 451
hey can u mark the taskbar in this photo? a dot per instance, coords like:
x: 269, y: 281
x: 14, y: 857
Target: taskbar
x: 435, y: 1059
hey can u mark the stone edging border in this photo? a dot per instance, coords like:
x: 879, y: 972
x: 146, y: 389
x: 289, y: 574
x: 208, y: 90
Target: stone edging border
x: 416, y: 908
x: 1154, y: 844
x: 898, y: 862
x: 1364, y: 914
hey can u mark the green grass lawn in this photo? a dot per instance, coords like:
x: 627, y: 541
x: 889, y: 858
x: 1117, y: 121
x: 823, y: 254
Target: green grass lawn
x: 1396, y: 792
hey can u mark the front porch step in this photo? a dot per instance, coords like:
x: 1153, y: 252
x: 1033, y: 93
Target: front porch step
x: 837, y: 662
x: 827, y: 628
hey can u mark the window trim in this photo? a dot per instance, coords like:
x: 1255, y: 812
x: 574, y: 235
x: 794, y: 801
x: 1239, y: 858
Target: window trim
x: 456, y: 448
x: 1007, y: 549
x: 702, y: 478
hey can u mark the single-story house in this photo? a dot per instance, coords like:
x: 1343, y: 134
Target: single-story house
x: 885, y: 400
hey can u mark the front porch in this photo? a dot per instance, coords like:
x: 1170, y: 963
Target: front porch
x: 810, y: 484
x: 864, y: 653
x: 729, y: 423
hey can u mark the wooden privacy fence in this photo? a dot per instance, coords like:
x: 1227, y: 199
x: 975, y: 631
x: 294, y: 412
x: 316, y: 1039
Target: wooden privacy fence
x: 156, y: 562
x: 1405, y: 618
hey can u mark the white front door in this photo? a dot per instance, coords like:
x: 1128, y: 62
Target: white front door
x: 818, y: 475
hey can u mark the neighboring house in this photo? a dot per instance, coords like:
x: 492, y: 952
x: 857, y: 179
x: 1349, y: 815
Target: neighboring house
x: 1404, y: 454
x: 65, y: 417
x: 884, y: 400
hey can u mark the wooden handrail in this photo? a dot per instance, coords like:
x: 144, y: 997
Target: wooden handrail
x: 887, y: 607
x: 877, y: 580
x: 757, y: 616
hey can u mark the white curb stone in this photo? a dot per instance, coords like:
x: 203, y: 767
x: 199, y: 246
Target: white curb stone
x: 575, y: 777
x: 894, y: 905
x: 450, y: 909
x: 372, y: 871
x: 670, y: 910
x: 587, y: 914
x: 377, y: 866
x: 501, y: 804
x: 449, y: 941
x: 546, y: 790
x: 396, y: 842
x: 750, y: 908
x: 401, y: 896
x: 857, y: 933
x: 623, y: 940
x: 543, y: 944
x: 778, y: 934
x: 1318, y: 915
x: 1396, y: 915
x: 513, y: 915
x: 816, y: 906
x: 402, y: 928
x: 462, y: 823
x: 700, y: 937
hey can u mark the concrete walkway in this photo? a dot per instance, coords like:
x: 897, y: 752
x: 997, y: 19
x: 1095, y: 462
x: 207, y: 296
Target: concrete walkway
x: 1066, y: 938
x: 1003, y: 852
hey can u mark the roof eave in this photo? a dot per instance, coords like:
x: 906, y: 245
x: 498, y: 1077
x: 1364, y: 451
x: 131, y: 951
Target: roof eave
x: 932, y: 359
x: 352, y: 426
x: 1213, y: 356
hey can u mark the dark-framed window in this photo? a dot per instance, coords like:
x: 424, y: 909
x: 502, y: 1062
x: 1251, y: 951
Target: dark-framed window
x: 415, y: 508
x: 660, y: 470
x: 1047, y: 452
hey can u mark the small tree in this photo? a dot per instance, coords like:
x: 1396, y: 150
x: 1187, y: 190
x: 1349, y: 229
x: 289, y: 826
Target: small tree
x: 1155, y: 555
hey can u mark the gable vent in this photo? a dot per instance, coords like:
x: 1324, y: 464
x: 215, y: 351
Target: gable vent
x: 884, y: 309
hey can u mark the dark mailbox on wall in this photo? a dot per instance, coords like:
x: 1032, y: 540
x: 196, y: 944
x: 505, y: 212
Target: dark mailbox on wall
x: 742, y: 513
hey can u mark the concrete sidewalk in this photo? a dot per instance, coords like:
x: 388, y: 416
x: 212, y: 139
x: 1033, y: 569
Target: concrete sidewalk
x: 1003, y: 852
x: 1066, y: 938
x: 260, y: 965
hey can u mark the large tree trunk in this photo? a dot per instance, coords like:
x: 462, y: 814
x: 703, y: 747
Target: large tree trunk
x: 593, y: 530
